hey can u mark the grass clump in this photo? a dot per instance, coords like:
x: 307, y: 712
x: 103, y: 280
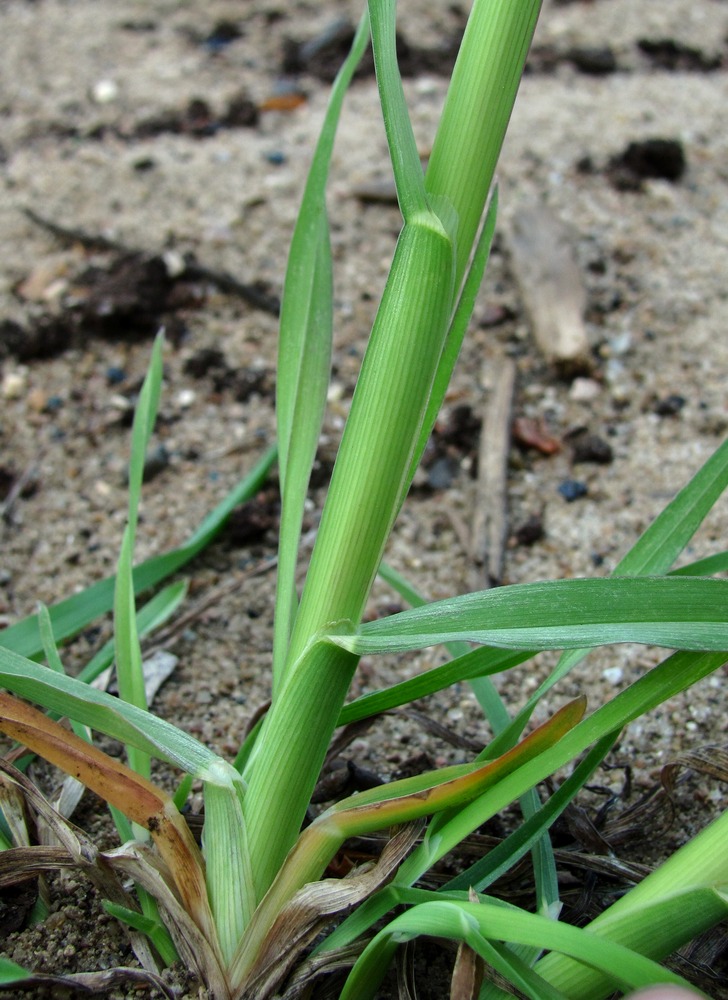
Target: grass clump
x: 245, y: 910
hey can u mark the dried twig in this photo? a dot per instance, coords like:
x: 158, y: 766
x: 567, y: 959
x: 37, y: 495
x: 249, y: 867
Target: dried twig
x: 192, y: 271
x: 490, y: 522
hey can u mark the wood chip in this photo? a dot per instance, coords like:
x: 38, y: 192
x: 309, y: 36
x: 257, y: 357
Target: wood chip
x: 551, y: 287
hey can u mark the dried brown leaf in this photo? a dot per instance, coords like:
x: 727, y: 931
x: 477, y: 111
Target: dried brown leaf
x: 138, y: 862
x: 80, y: 852
x: 95, y: 984
x: 406, y: 986
x: 139, y: 799
x: 469, y: 971
x: 311, y: 909
x: 709, y: 760
x: 325, y: 964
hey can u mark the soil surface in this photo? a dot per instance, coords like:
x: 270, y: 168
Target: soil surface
x: 151, y: 160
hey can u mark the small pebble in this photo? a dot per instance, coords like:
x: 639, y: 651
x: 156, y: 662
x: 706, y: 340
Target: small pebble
x: 104, y: 91
x: 276, y: 157
x: 224, y: 32
x: 157, y: 459
x: 662, y: 159
x: 175, y: 263
x: 531, y: 531
x: 572, y: 489
x: 441, y: 473
x: 119, y: 402
x: 592, y: 448
x: 594, y: 61
x: 13, y: 385
x: 241, y: 112
x: 185, y: 398
x: 37, y: 400
x: 115, y: 375
x: 613, y: 675
x: 584, y: 390
x: 670, y: 405
x: 335, y: 392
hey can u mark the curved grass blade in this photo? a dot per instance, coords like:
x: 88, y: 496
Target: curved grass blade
x: 471, y: 922
x: 717, y: 563
x: 151, y: 928
x: 476, y: 663
x: 684, y: 612
x: 699, y: 867
x: 71, y: 615
x: 104, y: 713
x: 660, y: 545
x: 304, y: 355
x: 501, y: 858
x: 679, y: 672
x: 653, y: 554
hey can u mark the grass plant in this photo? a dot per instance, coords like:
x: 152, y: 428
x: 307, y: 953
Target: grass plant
x: 246, y: 909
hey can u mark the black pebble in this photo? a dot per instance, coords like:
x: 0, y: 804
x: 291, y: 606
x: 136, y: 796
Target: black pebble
x: 572, y: 489
x: 531, y: 531
x: 591, y: 448
x: 669, y: 406
x: 442, y: 472
x: 649, y: 158
x: 156, y: 460
x: 594, y: 61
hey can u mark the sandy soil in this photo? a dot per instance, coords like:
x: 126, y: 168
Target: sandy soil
x: 130, y: 125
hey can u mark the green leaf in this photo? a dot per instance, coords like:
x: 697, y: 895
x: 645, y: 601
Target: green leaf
x: 717, y: 563
x: 655, y: 928
x: 501, y: 858
x: 652, y: 554
x: 661, y: 544
x: 153, y: 929
x: 684, y: 612
x: 477, y: 109
x: 458, y: 328
x: 304, y: 355
x: 408, y: 175
x: 103, y: 713
x: 473, y: 922
x: 145, y: 416
x: 71, y: 615
x: 11, y: 972
x: 476, y: 663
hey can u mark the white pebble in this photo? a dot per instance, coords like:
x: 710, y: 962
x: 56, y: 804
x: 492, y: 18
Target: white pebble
x: 13, y: 385
x: 185, y: 398
x: 613, y: 675
x: 104, y: 91
x: 584, y: 390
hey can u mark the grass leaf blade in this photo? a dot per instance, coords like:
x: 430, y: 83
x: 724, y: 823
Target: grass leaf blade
x: 304, y: 354
x: 71, y: 615
x: 682, y: 612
